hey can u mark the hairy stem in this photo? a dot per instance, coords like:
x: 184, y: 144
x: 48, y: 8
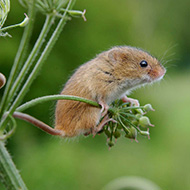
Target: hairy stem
x: 23, y: 72
x: 19, y: 59
x: 31, y: 57
x: 9, y: 175
x: 54, y: 97
x: 39, y: 63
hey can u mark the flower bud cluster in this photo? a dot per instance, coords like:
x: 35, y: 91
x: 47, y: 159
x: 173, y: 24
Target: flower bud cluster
x: 131, y: 122
x: 45, y: 6
x: 53, y: 7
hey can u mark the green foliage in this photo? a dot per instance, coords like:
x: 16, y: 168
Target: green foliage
x: 86, y: 164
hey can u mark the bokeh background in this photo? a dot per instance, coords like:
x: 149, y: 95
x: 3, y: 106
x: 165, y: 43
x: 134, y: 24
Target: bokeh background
x: 162, y: 28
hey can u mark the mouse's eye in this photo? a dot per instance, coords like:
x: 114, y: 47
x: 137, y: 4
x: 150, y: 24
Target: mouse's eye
x: 143, y: 63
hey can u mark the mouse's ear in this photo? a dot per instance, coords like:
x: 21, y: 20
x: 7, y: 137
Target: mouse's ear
x: 117, y: 55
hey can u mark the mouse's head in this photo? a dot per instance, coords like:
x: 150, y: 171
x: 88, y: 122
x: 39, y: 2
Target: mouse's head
x: 135, y: 65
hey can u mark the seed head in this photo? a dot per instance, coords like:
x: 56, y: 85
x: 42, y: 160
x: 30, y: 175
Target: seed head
x: 46, y: 6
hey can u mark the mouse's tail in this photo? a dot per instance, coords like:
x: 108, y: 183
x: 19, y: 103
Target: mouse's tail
x: 39, y: 124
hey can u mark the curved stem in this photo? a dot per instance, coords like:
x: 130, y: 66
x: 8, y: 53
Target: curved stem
x: 9, y: 134
x: 14, y: 25
x: 54, y: 97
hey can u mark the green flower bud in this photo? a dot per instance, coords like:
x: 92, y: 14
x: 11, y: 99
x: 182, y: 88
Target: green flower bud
x: 24, y: 22
x: 117, y: 134
x: 148, y: 107
x: 2, y: 30
x: 145, y: 122
x: 138, y: 116
x: 145, y: 133
x: 134, y: 122
x: 110, y: 144
x: 119, y: 126
x: 76, y: 13
x: 139, y: 111
x: 132, y: 133
x: 108, y: 134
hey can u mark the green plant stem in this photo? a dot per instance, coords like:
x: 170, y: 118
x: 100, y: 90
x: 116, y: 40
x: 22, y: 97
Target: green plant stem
x: 9, y: 27
x: 123, y: 126
x: 9, y: 133
x: 41, y: 60
x: 131, y: 123
x: 8, y: 172
x: 32, y: 56
x: 9, y: 175
x: 39, y: 63
x: 23, y: 72
x: 54, y: 97
x: 19, y: 59
x: 129, y: 115
x: 132, y: 108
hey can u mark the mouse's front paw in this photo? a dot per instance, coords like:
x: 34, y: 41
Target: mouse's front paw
x: 131, y: 101
x: 104, y: 109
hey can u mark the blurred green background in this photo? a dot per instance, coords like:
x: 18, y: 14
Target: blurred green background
x: 162, y: 28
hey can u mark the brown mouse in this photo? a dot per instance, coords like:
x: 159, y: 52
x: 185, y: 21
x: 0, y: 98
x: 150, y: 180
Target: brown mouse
x: 109, y: 76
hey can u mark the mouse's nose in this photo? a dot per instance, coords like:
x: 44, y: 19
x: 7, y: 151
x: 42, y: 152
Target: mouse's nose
x: 157, y: 73
x: 160, y: 73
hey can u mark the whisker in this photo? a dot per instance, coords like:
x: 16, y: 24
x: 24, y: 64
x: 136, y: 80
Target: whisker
x: 167, y: 61
x: 165, y: 53
x: 170, y: 55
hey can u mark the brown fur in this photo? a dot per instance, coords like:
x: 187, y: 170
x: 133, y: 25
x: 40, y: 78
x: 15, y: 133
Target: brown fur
x: 103, y: 79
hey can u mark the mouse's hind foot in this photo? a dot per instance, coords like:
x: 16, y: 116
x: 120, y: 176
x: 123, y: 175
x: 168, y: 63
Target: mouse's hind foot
x: 100, y: 126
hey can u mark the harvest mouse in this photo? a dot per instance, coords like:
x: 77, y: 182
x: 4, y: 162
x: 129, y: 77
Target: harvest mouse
x: 110, y: 75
